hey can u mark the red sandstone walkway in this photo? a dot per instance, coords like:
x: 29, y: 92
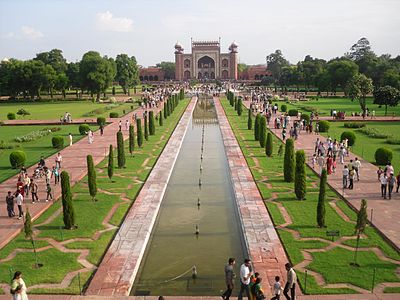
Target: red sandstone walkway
x: 74, y: 161
x: 385, y: 212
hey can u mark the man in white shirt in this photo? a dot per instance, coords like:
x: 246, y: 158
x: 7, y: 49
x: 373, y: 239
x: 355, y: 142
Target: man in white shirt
x: 290, y: 283
x: 245, y: 274
x: 19, y: 199
x: 357, y: 166
x: 345, y: 173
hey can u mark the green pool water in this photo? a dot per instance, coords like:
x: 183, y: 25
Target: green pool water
x: 174, y: 247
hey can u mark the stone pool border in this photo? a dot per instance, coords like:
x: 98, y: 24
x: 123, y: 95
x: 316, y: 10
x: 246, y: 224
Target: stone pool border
x: 117, y: 271
x: 263, y: 244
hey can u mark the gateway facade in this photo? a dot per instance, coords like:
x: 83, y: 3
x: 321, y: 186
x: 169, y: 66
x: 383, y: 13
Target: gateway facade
x: 206, y: 61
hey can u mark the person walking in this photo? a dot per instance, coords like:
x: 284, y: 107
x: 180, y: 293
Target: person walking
x: 18, y: 287
x: 127, y: 124
x: 384, y: 182
x: 245, y: 274
x: 398, y: 182
x: 352, y: 174
x: 290, y: 283
x: 101, y: 130
x: 90, y: 137
x: 10, y: 204
x: 27, y: 182
x: 120, y: 125
x: 345, y: 174
x: 391, y: 182
x: 19, y: 199
x: 257, y: 291
x: 56, y: 173
x: 277, y: 289
x: 34, y: 189
x: 229, y: 278
x: 70, y: 139
x: 357, y: 167
x: 49, y: 195
x: 58, y: 160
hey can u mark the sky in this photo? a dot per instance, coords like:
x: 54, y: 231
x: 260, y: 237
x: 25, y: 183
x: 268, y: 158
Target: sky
x: 149, y: 29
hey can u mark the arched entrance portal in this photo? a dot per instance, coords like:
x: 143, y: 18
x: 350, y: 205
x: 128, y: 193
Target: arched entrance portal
x: 206, y: 68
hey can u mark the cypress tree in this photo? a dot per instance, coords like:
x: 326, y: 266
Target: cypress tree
x: 165, y: 110
x: 257, y: 127
x: 28, y: 225
x: 240, y: 107
x: 361, y: 223
x: 66, y: 197
x: 262, y: 131
x: 230, y: 98
x: 110, y: 167
x: 160, y: 119
x: 249, y: 120
x: 91, y: 177
x: 300, y: 175
x: 321, y: 200
x: 146, y: 128
x: 131, y: 139
x: 139, y: 132
x: 235, y: 103
x: 288, y: 164
x: 120, y: 150
x: 152, y: 126
x: 182, y: 94
x: 269, y: 146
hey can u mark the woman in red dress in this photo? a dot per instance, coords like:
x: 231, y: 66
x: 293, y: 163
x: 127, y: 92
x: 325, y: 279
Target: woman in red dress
x: 329, y: 164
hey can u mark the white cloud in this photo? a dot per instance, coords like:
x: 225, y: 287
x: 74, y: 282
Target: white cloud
x: 31, y: 33
x: 106, y: 21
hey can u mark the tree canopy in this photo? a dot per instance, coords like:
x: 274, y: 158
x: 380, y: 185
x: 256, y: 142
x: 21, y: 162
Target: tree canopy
x: 127, y: 71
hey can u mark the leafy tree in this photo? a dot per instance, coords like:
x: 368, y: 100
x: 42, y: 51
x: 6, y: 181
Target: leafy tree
x: 28, y: 225
x: 61, y: 83
x: 310, y: 69
x: 240, y: 107
x: 358, y: 88
x: 168, y: 68
x: 55, y: 59
x: 66, y: 197
x: 160, y: 119
x: 131, y: 139
x: 91, y: 177
x: 300, y: 175
x: 127, y: 71
x: 275, y: 63
x: 110, y: 167
x: 73, y: 75
x: 139, y: 132
x: 146, y: 128
x: 321, y: 199
x: 262, y: 131
x: 269, y: 146
x: 388, y: 96
x: 289, y: 161
x: 152, y: 126
x: 341, y: 71
x: 257, y: 127
x: 120, y: 150
x: 361, y: 223
x: 249, y: 120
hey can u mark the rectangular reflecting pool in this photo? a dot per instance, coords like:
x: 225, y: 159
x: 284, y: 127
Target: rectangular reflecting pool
x: 175, y: 248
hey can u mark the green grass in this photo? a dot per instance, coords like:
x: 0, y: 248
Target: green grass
x: 34, y: 149
x: 312, y: 288
x: 74, y: 288
x: 366, y: 146
x: 392, y: 289
x: 324, y: 106
x: 54, y: 110
x: 89, y: 216
x: 269, y: 179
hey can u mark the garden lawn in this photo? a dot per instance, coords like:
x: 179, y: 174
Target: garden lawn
x: 34, y: 149
x: 268, y: 174
x: 55, y: 110
x: 366, y: 146
x: 325, y: 105
x: 118, y: 193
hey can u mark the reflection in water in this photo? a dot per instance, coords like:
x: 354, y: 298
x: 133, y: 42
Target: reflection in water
x: 197, y: 229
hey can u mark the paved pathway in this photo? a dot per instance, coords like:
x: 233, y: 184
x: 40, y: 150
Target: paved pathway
x: 117, y: 271
x: 74, y: 161
x: 263, y: 244
x: 51, y: 122
x: 385, y: 212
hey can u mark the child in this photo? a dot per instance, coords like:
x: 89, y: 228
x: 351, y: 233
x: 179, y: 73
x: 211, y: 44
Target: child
x: 314, y: 160
x: 379, y: 173
x: 49, y: 195
x: 277, y: 289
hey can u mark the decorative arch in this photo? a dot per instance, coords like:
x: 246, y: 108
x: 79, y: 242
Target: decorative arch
x: 141, y: 78
x: 186, y: 63
x: 146, y: 78
x: 151, y: 78
x: 212, y: 75
x: 206, y: 62
x: 224, y: 63
x: 256, y: 77
x: 186, y: 75
x: 155, y: 78
x: 225, y: 74
x: 199, y: 75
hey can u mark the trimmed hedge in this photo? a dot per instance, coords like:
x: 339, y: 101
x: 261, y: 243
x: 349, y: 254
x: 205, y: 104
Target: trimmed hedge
x: 120, y: 150
x: 269, y: 146
x: 293, y: 112
x: 321, y: 199
x: 262, y: 131
x: 11, y: 116
x: 114, y: 114
x: 283, y: 108
x: 91, y: 177
x: 383, y: 156
x: 257, y: 127
x: 354, y: 125
x: 101, y: 121
x: 393, y: 141
x: 249, y: 120
x: 83, y: 129
x: 350, y: 136
x: 57, y: 142
x: 289, y: 161
x: 66, y: 198
x: 306, y: 117
x: 17, y: 158
x: 323, y: 126
x: 300, y: 175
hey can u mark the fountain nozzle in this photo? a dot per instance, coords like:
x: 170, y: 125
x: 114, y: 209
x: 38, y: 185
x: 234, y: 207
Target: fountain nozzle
x: 197, y: 230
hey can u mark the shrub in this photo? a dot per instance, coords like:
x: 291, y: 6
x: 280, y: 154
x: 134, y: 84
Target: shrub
x: 388, y: 141
x: 17, y: 158
x: 288, y: 164
x: 66, y: 197
x: 110, y: 167
x: 165, y: 110
x: 114, y: 114
x: 120, y: 150
x: 269, y: 145
x: 235, y: 104
x: 249, y: 120
x: 146, y: 128
x: 257, y: 127
x: 283, y: 108
x: 300, y: 175
x: 383, y: 156
x: 292, y: 112
x: 4, y: 145
x: 306, y: 117
x: 101, y: 121
x: 321, y: 200
x: 11, y: 116
x: 262, y: 131
x: 323, y: 126
x: 152, y: 126
x: 160, y: 119
x: 374, y: 133
x: 350, y: 136
x: 57, y: 142
x: 354, y: 125
x: 23, y: 112
x: 32, y: 136
x: 132, y: 138
x: 84, y: 129
x: 240, y: 107
x: 139, y: 132
x: 91, y: 177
